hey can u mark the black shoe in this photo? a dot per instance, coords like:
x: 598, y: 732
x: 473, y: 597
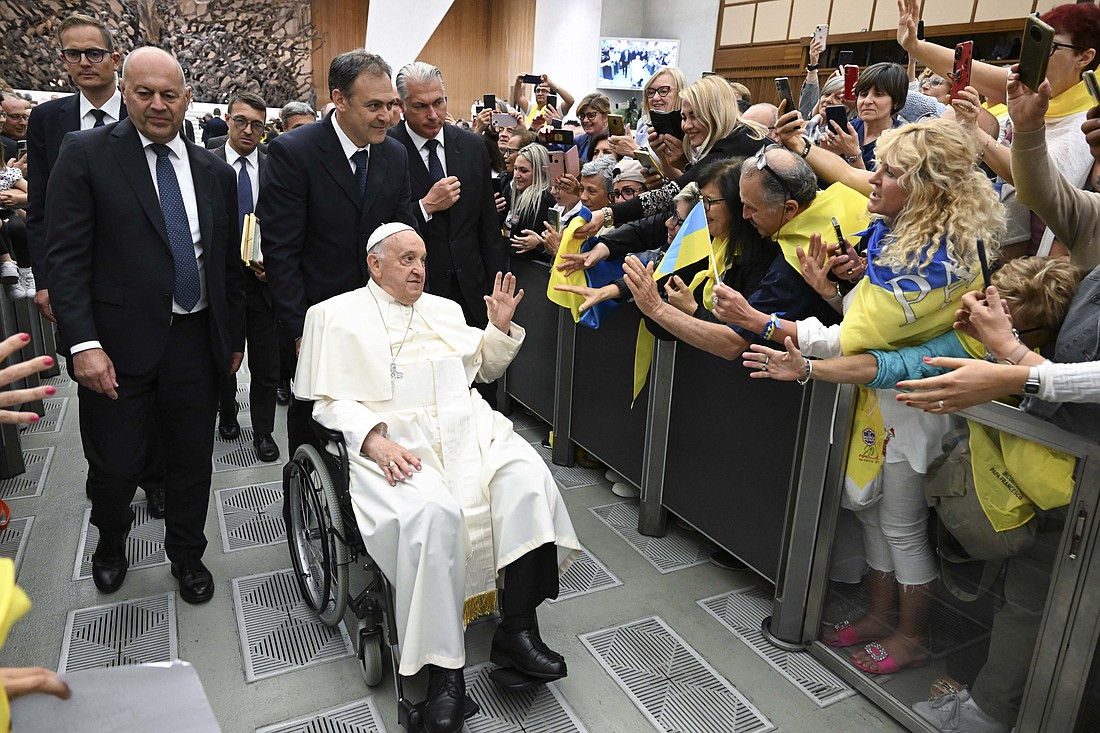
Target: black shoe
x: 266, y: 450
x: 228, y: 427
x: 527, y: 652
x: 109, y: 563
x: 196, y: 582
x: 445, y: 707
x: 282, y: 393
x: 154, y: 496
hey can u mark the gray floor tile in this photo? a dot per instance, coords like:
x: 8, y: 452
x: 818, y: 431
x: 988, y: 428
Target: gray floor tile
x: 13, y: 540
x: 137, y: 631
x: 742, y: 612
x: 235, y: 455
x: 542, y: 708
x: 673, y: 686
x: 586, y: 575
x: 33, y: 480
x: 278, y: 632
x: 51, y: 421
x: 251, y: 516
x: 568, y: 477
x: 144, y: 544
x: 678, y: 549
x: 360, y: 716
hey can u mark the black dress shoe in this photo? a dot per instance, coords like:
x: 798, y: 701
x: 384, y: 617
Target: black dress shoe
x: 109, y: 563
x: 154, y: 496
x: 444, y: 708
x: 196, y: 582
x: 282, y: 393
x: 228, y: 427
x: 266, y: 450
x: 527, y: 652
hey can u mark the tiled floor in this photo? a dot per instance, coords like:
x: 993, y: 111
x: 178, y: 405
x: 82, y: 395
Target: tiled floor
x: 266, y: 665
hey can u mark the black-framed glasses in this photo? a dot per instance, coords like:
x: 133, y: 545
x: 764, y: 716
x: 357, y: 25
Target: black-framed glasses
x: 590, y: 115
x: 94, y: 55
x: 658, y: 92
x: 625, y: 193
x: 241, y: 123
x: 1055, y: 45
x: 675, y: 216
x: 707, y: 203
x: 762, y: 165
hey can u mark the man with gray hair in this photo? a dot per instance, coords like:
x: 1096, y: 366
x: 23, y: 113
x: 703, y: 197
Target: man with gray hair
x: 390, y: 367
x: 296, y: 114
x: 450, y: 177
x: 327, y: 187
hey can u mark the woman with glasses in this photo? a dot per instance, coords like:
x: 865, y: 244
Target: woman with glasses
x: 661, y: 93
x: 880, y: 94
x: 592, y: 113
x: 530, y: 202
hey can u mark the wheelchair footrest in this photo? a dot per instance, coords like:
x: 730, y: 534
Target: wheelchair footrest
x: 410, y: 715
x: 512, y: 679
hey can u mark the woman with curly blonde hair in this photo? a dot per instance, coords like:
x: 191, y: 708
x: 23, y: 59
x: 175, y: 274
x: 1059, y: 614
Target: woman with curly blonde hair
x: 930, y: 205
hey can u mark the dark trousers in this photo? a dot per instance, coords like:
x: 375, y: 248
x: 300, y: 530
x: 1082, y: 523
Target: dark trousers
x: 177, y: 399
x: 528, y: 581
x: 263, y: 358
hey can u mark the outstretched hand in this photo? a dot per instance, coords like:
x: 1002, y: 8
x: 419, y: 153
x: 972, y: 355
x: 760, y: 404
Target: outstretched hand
x: 908, y: 17
x: 768, y: 363
x: 11, y: 398
x: 639, y: 278
x: 501, y: 305
x: 972, y: 382
x: 19, y: 681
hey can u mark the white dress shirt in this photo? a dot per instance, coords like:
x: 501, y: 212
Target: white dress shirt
x: 422, y: 149
x: 347, y: 145
x: 113, y: 108
x: 253, y: 161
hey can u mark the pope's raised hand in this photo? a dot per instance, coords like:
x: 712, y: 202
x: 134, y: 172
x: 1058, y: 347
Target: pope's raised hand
x: 501, y: 305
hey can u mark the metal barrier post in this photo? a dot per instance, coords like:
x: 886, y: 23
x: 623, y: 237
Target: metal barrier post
x: 564, y: 453
x: 11, y: 452
x: 49, y: 347
x: 652, y: 515
x: 28, y: 321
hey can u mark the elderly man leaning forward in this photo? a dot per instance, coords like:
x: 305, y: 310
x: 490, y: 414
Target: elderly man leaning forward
x: 475, y: 501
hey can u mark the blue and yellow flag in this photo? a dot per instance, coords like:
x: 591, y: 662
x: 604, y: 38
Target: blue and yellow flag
x: 691, y: 244
x: 601, y: 274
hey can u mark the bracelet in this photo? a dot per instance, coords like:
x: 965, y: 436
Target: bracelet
x: 851, y: 158
x: 808, y: 375
x: 811, y: 67
x: 806, y: 150
x: 608, y: 217
x: 773, y: 324
x: 839, y: 295
x: 981, y: 155
x: 1015, y: 357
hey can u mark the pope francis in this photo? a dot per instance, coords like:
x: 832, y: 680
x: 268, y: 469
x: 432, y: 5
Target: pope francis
x: 448, y: 498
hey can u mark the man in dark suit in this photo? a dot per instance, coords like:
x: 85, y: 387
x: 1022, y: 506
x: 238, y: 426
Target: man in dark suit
x: 451, y: 179
x: 246, y: 118
x: 141, y: 250
x: 215, y: 126
x: 328, y: 186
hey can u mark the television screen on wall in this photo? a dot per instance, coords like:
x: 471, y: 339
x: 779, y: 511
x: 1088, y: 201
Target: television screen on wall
x: 626, y: 63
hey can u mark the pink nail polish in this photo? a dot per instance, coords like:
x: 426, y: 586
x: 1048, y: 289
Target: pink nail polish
x: 51, y: 390
x: 24, y: 337
x: 48, y: 361
x: 35, y: 418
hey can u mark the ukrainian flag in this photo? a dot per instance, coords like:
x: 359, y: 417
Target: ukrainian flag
x: 691, y: 244
x: 601, y: 274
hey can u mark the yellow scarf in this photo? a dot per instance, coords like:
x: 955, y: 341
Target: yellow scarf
x: 1073, y: 100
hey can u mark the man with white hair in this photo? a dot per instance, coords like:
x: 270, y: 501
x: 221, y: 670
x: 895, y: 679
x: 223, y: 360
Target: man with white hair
x: 475, y: 501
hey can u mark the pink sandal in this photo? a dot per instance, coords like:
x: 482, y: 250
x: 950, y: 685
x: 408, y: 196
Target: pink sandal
x: 885, y: 661
x: 845, y: 636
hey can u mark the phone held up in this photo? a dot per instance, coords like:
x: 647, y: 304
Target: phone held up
x: 615, y: 125
x: 1035, y: 51
x: 960, y: 76
x: 1092, y: 85
x: 783, y: 89
x: 532, y: 79
x: 838, y: 114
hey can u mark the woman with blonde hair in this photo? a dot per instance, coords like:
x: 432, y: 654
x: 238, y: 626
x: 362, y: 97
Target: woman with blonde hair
x: 930, y: 204
x: 660, y: 93
x: 530, y: 202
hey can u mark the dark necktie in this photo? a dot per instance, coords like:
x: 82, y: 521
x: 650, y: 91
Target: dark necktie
x: 99, y: 115
x: 244, y: 192
x: 187, y: 288
x: 359, y: 158
x: 435, y: 167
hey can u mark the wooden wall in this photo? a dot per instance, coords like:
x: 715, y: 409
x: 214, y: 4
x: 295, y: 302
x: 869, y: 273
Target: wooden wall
x: 338, y: 26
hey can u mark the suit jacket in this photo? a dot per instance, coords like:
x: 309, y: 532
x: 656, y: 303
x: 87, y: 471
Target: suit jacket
x: 108, y: 253
x: 465, y: 239
x: 9, y: 147
x: 221, y: 140
x: 314, y: 224
x: 253, y: 286
x: 214, y: 126
x: 48, y: 125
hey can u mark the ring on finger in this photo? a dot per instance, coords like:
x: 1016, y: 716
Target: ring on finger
x: 941, y: 404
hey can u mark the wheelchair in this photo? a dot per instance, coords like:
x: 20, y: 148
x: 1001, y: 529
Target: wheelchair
x: 324, y: 542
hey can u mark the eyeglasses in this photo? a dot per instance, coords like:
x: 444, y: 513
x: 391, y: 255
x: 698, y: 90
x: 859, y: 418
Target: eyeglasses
x: 18, y: 116
x: 762, y: 165
x: 623, y: 193
x: 657, y: 92
x: 94, y: 55
x: 590, y: 115
x: 243, y: 122
x: 679, y: 219
x: 542, y: 90
x: 510, y: 151
x: 707, y: 203
x: 1054, y: 46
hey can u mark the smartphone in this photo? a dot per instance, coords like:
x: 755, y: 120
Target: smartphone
x: 984, y: 262
x: 556, y: 169
x: 783, y: 88
x: 920, y: 30
x: 836, y: 113
x: 821, y: 34
x: 960, y: 77
x: 648, y: 161
x: 561, y: 137
x: 552, y: 100
x: 498, y: 185
x: 20, y: 149
x: 845, y: 58
x: 489, y: 100
x: 532, y: 79
x: 555, y: 123
x: 1092, y: 85
x: 666, y: 123
x: 504, y: 119
x: 839, y: 233
x: 1038, y: 41
x: 553, y: 218
x: 615, y: 125
x: 851, y: 76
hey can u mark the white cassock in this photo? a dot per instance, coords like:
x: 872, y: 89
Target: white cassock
x: 483, y: 498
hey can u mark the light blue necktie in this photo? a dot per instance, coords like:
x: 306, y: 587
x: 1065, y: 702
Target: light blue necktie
x: 187, y: 288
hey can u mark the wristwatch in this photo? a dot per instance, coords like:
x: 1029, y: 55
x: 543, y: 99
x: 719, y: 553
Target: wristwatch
x: 1031, y: 386
x: 608, y: 217
x: 811, y: 67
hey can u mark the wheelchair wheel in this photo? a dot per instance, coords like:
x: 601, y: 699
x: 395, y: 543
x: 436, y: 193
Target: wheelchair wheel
x: 319, y: 556
x: 370, y: 656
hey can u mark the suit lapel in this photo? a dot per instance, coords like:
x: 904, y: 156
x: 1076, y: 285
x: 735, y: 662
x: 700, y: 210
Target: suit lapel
x: 126, y: 147
x: 70, y: 114
x: 417, y: 170
x: 334, y: 161
x: 205, y: 186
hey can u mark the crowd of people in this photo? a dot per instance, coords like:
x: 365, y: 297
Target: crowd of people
x: 940, y: 245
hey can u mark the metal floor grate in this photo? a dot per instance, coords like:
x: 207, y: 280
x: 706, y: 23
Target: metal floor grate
x: 680, y: 548
x: 669, y: 682
x: 540, y: 709
x: 523, y: 421
x: 51, y: 421
x: 742, y: 612
x: 251, y: 516
x: 568, y: 477
x: 30, y: 482
x: 586, y: 575
x: 360, y: 716
x: 278, y: 632
x: 244, y: 407
x: 131, y: 632
x: 13, y: 540
x: 144, y: 544
x: 234, y: 455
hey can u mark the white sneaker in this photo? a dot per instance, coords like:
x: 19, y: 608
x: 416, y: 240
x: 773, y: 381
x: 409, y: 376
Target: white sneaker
x: 625, y: 490
x: 9, y: 273
x: 16, y: 291
x: 26, y: 279
x: 958, y: 713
